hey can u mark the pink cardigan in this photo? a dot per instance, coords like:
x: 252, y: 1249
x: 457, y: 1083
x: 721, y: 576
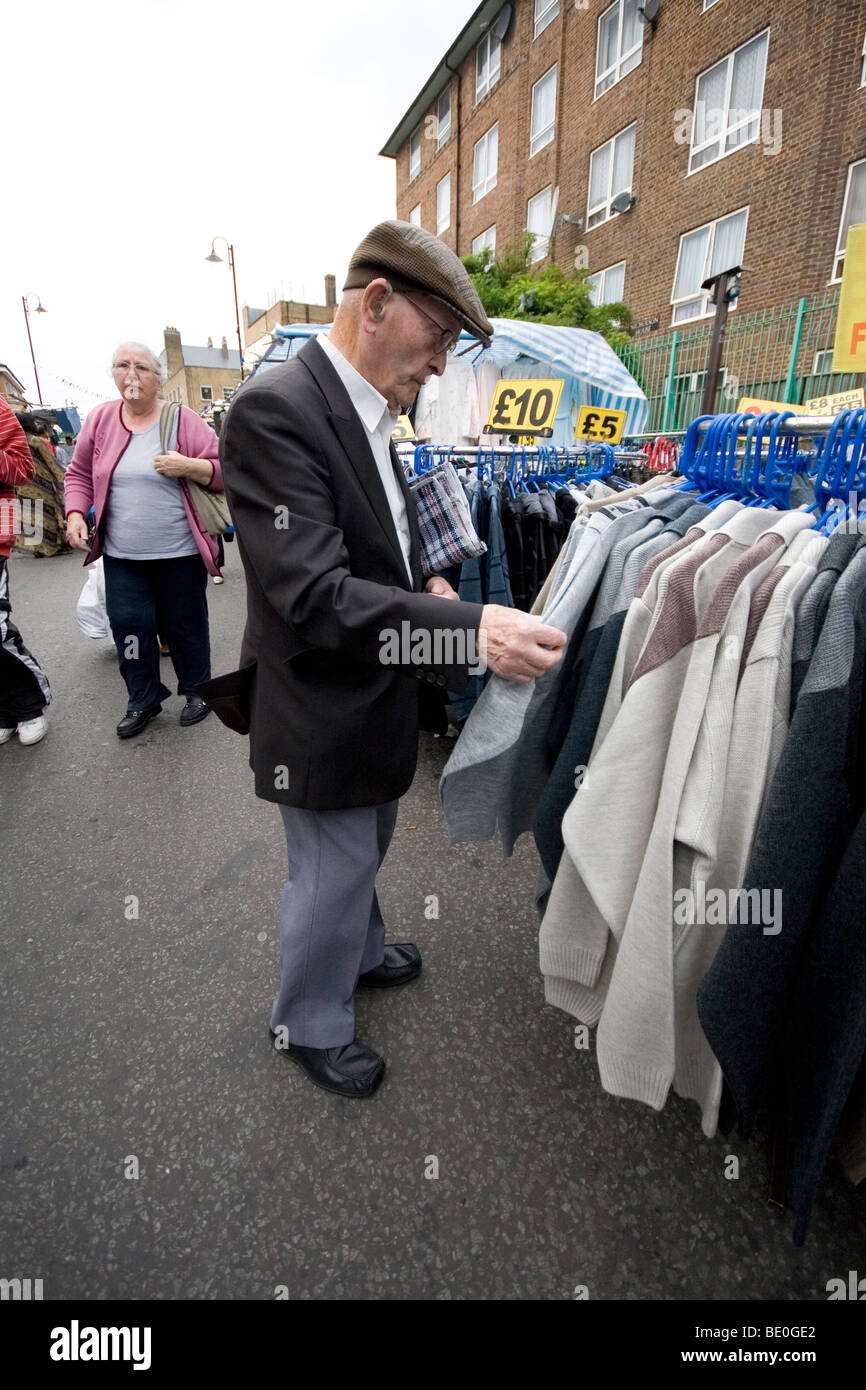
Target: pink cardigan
x: 100, y: 446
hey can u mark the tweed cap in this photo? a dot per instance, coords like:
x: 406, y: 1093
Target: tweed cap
x: 413, y: 259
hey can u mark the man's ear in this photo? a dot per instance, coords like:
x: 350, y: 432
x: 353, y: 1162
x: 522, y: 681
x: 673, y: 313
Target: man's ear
x: 376, y: 296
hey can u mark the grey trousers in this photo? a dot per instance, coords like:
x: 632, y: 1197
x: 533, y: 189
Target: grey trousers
x: 331, y: 929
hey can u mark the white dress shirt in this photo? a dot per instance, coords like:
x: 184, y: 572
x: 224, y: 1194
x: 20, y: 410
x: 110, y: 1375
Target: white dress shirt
x: 378, y: 422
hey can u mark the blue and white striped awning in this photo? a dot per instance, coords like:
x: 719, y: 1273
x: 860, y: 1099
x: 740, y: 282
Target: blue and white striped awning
x: 575, y: 353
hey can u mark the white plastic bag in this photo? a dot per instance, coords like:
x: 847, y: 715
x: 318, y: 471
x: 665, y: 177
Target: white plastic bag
x: 90, y: 611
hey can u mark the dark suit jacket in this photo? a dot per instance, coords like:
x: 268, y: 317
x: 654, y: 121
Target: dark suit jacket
x: 330, y: 725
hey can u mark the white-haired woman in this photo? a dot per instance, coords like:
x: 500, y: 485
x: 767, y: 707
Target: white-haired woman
x: 156, y: 553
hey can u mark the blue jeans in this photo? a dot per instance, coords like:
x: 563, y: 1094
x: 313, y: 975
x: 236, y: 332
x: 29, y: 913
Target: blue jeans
x: 169, y: 597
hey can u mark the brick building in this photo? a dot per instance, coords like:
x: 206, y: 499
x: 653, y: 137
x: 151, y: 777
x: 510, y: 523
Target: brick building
x: 736, y: 127
x: 11, y: 389
x: 258, y: 324
x: 198, y: 376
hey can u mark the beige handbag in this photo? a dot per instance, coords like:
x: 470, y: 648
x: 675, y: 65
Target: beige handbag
x: 211, y: 508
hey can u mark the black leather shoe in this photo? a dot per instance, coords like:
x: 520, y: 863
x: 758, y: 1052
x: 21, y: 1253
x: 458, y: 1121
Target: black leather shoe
x: 194, y: 710
x: 136, y: 720
x: 353, y: 1071
x: 401, y: 963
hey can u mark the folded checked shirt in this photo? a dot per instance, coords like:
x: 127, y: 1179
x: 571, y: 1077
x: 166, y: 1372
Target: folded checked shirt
x: 608, y: 942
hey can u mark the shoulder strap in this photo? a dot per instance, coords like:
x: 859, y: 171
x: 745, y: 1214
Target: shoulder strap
x: 168, y: 415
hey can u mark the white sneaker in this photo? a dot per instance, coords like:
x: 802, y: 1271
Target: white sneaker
x: 6, y: 734
x: 32, y: 730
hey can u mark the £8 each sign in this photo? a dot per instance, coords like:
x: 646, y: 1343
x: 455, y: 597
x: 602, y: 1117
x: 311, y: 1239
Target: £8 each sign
x: 524, y: 407
x: 604, y: 426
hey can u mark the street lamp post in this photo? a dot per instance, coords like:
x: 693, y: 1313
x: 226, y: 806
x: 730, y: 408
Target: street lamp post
x: 39, y: 310
x: 214, y: 257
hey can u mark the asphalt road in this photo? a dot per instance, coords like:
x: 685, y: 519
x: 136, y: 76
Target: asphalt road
x: 140, y: 1045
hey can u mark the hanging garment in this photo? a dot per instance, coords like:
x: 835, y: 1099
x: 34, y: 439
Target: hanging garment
x: 813, y: 609
x: 636, y: 777
x: 446, y: 411
x: 513, y: 509
x: 575, y: 719
x: 744, y: 999
x: 487, y: 376
x: 497, y: 770
x: 484, y: 578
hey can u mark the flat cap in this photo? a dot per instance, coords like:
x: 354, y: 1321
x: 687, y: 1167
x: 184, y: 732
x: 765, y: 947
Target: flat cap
x: 413, y: 259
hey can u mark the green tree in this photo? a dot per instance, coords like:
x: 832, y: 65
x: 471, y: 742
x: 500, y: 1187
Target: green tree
x: 510, y: 288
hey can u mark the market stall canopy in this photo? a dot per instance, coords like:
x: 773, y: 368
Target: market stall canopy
x: 287, y: 340
x: 573, y: 353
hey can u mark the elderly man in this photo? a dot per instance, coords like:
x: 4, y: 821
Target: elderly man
x: 328, y: 537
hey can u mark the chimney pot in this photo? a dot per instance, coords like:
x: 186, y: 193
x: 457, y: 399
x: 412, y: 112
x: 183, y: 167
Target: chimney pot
x: 331, y: 291
x: 224, y: 347
x: 210, y: 342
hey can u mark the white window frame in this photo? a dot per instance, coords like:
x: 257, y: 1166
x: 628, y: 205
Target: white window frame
x: 590, y: 210
x: 621, y: 58
x: 601, y: 276
x: 443, y: 128
x: 209, y: 396
x: 821, y: 370
x: 487, y: 83
x: 539, y: 138
x: 415, y: 144
x: 481, y: 189
x: 839, y: 258
x: 728, y: 129
x: 703, y: 296
x: 443, y: 223
x: 415, y: 215
x: 541, y: 245
x: 545, y: 13
x: 863, y: 72
x: 485, y: 239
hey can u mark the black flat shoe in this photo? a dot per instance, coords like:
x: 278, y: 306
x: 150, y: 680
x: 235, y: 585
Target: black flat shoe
x: 353, y: 1071
x: 194, y: 710
x: 136, y: 720
x: 401, y: 964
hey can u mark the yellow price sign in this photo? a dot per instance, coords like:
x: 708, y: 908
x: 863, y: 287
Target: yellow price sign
x: 831, y: 405
x: 404, y: 429
x: 755, y: 405
x: 519, y: 407
x: 603, y: 426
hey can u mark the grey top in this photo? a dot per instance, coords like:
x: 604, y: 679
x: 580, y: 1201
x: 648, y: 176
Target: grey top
x: 145, y: 517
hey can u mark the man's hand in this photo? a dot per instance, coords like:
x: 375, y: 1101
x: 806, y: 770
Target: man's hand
x: 516, y: 645
x: 76, y: 531
x: 440, y: 587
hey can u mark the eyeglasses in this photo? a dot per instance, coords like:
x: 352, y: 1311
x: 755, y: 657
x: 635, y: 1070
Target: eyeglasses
x: 447, y: 339
x: 138, y: 366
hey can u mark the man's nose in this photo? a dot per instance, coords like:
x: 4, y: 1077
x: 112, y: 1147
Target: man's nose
x: 439, y: 362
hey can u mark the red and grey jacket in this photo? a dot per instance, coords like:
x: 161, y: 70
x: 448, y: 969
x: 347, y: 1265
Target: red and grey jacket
x: 16, y: 467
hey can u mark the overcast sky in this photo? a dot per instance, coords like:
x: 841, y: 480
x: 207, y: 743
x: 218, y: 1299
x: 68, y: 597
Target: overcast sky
x: 135, y: 133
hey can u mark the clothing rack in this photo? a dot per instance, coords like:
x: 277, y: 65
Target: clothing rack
x: 754, y: 457
x: 516, y: 463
